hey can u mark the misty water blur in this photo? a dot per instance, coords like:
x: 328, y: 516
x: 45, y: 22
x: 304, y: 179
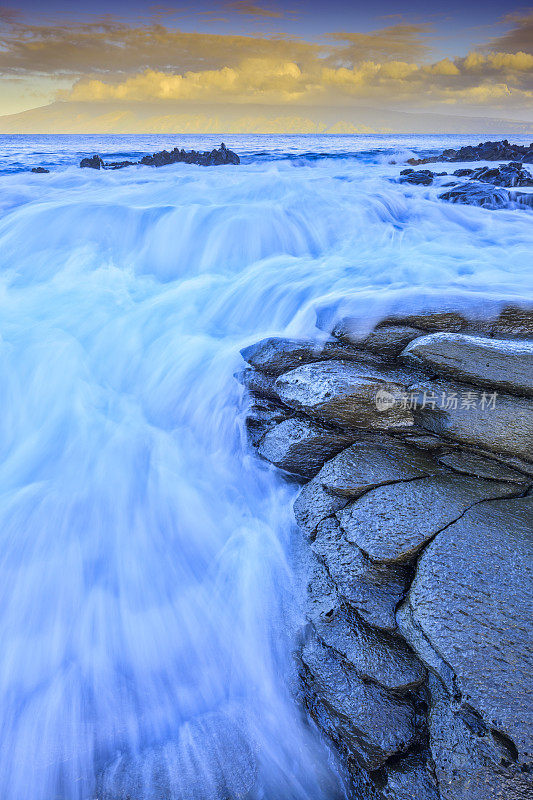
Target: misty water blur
x: 147, y: 604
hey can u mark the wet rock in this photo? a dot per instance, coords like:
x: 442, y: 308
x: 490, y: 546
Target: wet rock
x: 93, y: 162
x: 40, y: 170
x: 261, y: 416
x: 274, y: 356
x: 365, y: 721
x: 378, y: 656
x: 344, y: 394
x: 119, y: 164
x: 484, y: 151
x: 509, y: 175
x: 384, y: 341
x: 429, y: 321
x: 410, y: 778
x: 514, y: 322
x: 315, y: 504
x: 392, y: 523
x: 477, y: 194
x: 472, y: 762
x: 372, y: 590
x: 414, y: 635
x: 421, y: 177
x: 501, y: 423
x: 258, y: 383
x: 481, y: 467
x: 373, y: 462
x: 506, y: 365
x: 216, y: 157
x: 471, y: 597
x: 301, y: 446
x: 431, y: 443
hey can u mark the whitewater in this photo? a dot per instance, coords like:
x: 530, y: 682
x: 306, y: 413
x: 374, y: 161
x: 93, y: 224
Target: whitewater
x: 148, y: 608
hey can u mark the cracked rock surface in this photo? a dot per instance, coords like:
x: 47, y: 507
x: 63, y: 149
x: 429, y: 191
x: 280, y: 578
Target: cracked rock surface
x: 415, y: 544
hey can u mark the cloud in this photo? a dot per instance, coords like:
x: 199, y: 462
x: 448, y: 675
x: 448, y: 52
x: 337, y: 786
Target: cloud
x: 393, y: 42
x: 518, y: 38
x: 250, y: 10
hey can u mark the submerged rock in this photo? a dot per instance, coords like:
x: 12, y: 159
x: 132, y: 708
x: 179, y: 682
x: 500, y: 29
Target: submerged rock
x: 40, y: 170
x: 496, y: 364
x: 477, y: 194
x: 421, y: 177
x: 514, y: 322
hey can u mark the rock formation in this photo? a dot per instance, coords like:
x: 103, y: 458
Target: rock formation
x: 413, y: 445
x: 213, y: 158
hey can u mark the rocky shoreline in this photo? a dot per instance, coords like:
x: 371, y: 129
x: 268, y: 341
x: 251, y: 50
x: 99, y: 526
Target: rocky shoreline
x: 413, y: 445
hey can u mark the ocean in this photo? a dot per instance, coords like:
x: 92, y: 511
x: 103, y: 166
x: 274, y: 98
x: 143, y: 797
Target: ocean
x: 148, y: 609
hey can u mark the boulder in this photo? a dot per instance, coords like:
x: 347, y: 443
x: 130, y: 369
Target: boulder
x: 372, y: 590
x: 301, y: 446
x: 386, y: 341
x: 92, y: 162
x: 344, y: 394
x: 506, y: 365
x: 472, y: 762
x: 514, y: 322
x: 216, y: 157
x: 509, y: 175
x: 477, y: 194
x: 40, y: 170
x: 261, y: 416
x: 313, y: 505
x: 430, y: 321
x: 392, y: 523
x: 421, y: 177
x: 258, y: 383
x: 481, y: 467
x: 276, y: 355
x: 372, y: 462
x: 365, y: 721
x: 503, y: 423
x: 375, y: 655
x: 471, y: 597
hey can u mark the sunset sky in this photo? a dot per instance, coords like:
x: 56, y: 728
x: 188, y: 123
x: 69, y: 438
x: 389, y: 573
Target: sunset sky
x: 118, y: 61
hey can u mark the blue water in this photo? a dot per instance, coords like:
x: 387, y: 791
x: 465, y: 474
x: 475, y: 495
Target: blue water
x: 147, y: 611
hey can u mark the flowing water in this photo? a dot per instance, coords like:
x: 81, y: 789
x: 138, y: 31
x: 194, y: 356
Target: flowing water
x: 147, y: 611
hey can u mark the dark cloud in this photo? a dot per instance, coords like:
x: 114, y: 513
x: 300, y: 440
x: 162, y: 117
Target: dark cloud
x: 395, y: 41
x: 519, y: 38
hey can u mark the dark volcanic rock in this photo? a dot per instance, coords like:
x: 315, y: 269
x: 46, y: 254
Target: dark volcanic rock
x: 367, y: 722
x: 421, y: 177
x: 481, y: 467
x: 504, y: 175
x: 430, y: 321
x: 391, y: 523
x: 216, y: 157
x: 40, y: 170
x: 94, y: 162
x: 466, y: 414
x: 378, y: 656
x: 301, y: 446
x: 477, y: 194
x: 495, y: 363
x: 471, y: 597
x: 275, y: 355
x: 373, y: 462
x: 344, y: 394
x: 313, y: 505
x: 484, y: 151
x: 410, y: 778
x: 372, y: 590
x: 472, y: 762
x: 387, y: 342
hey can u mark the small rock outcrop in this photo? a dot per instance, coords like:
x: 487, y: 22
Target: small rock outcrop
x: 484, y: 151
x: 415, y: 521
x: 40, y: 170
x: 213, y: 158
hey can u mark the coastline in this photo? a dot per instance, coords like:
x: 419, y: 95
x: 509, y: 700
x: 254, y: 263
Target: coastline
x: 412, y: 443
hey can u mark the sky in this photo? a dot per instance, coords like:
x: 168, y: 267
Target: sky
x: 293, y: 59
